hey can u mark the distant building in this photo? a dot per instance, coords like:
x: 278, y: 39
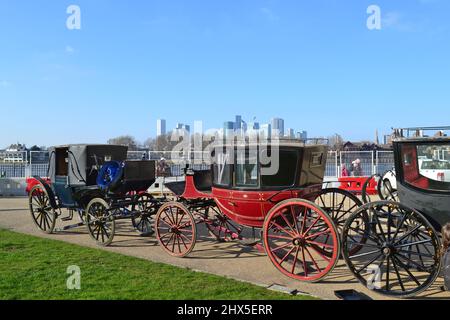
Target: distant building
x: 160, y: 127
x: 387, y: 139
x: 265, y: 131
x: 182, y: 128
x: 277, y: 127
x: 18, y: 147
x: 228, y: 128
x: 302, y: 135
x: 238, y: 123
x: 290, y: 133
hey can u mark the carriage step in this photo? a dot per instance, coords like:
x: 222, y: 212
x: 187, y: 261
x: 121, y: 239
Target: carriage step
x: 66, y: 218
x: 248, y: 242
x: 72, y: 226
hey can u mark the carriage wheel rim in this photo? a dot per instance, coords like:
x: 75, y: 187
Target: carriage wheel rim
x: 176, y: 229
x: 301, y: 239
x: 100, y: 226
x: 404, y: 256
x: 337, y: 209
x: 143, y: 222
x: 41, y: 210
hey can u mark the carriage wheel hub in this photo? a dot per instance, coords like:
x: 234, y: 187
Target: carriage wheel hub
x: 299, y: 241
x: 388, y: 250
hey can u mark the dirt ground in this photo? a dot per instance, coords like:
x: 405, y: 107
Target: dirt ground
x: 226, y: 259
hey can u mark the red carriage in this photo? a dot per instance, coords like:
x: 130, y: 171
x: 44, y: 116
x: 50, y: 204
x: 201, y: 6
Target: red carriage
x: 298, y: 221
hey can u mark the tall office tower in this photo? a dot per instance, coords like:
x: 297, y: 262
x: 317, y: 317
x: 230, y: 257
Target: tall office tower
x: 277, y: 127
x: 238, y: 123
x: 290, y: 133
x: 186, y: 127
x: 228, y: 128
x: 265, y: 131
x: 302, y: 135
x: 160, y: 127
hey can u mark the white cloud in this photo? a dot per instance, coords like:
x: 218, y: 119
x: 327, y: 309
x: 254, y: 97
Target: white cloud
x: 4, y: 83
x: 395, y: 20
x: 391, y: 19
x: 272, y: 17
x: 69, y: 50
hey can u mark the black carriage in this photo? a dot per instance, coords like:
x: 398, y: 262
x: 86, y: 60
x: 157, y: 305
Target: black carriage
x: 98, y: 184
x: 401, y: 252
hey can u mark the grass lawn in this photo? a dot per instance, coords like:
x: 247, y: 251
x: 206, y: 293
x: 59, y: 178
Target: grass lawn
x: 35, y: 268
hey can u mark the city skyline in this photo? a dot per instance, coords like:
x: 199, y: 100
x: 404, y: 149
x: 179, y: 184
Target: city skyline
x: 274, y: 127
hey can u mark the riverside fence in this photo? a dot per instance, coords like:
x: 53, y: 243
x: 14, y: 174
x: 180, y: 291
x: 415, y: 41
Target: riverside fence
x: 35, y: 163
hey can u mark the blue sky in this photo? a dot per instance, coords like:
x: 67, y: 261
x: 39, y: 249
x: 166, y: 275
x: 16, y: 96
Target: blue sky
x: 314, y: 63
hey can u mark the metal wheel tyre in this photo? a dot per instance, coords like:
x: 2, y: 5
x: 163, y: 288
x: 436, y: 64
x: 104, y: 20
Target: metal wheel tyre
x: 176, y: 229
x: 143, y: 223
x: 296, y: 235
x: 44, y: 216
x: 386, y: 191
x: 220, y: 227
x: 401, y: 257
x: 100, y: 223
x: 340, y: 205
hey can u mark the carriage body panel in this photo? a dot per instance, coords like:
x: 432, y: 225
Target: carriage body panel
x: 250, y: 208
x: 415, y: 158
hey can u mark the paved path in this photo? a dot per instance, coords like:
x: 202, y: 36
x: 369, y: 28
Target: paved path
x: 225, y: 259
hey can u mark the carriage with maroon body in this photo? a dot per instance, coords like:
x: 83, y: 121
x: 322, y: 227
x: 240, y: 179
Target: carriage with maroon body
x: 283, y: 199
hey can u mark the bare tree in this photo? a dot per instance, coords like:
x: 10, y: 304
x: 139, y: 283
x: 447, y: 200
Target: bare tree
x: 125, y: 140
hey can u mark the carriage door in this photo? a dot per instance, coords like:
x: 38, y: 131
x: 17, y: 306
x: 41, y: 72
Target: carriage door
x: 247, y: 197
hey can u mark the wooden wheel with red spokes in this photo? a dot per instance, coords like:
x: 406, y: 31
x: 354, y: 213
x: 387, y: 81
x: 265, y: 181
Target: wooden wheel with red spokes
x: 176, y: 229
x: 296, y: 234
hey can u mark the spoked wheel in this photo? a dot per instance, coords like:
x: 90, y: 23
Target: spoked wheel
x: 297, y: 233
x: 176, y: 229
x: 44, y: 216
x: 364, y: 194
x: 385, y: 189
x: 401, y: 257
x: 143, y: 223
x: 340, y: 205
x: 222, y: 228
x: 99, y: 221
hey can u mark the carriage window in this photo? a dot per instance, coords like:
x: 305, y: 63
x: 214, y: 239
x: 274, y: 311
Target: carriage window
x: 285, y: 177
x: 222, y: 170
x: 427, y: 166
x: 246, y: 168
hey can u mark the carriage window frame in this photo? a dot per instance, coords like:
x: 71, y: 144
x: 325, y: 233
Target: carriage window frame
x: 242, y: 186
x: 229, y: 173
x: 408, y: 159
x: 294, y: 176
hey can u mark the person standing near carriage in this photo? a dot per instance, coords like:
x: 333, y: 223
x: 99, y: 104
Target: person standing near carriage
x: 357, y: 169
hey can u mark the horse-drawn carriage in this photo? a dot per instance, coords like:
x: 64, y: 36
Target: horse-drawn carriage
x: 399, y: 251
x: 298, y: 220
x: 98, y: 184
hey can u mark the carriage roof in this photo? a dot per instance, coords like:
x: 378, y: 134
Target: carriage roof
x: 422, y: 135
x: 293, y: 143
x: 76, y: 161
